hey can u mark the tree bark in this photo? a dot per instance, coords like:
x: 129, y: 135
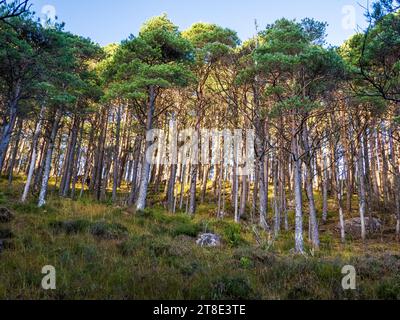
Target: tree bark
x: 137, y: 149
x: 116, y: 155
x: 15, y: 152
x: 362, y: 191
x: 325, y: 183
x: 32, y: 165
x: 144, y: 179
x: 49, y: 154
x: 8, y: 125
x: 297, y: 177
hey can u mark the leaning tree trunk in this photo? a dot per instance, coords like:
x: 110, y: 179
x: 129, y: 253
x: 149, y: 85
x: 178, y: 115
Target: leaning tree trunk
x: 49, y: 155
x: 41, y: 163
x: 35, y: 141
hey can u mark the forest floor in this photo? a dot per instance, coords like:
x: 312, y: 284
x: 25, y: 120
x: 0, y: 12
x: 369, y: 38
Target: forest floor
x: 102, y: 251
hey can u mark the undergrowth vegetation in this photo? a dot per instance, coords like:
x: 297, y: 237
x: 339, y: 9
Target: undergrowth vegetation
x: 105, y: 252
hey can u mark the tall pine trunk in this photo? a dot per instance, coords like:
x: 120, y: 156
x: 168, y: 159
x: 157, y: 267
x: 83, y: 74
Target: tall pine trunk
x: 15, y: 152
x: 144, y: 179
x: 48, y: 159
x: 297, y: 177
x: 32, y: 165
x: 310, y: 190
x: 116, y: 155
x: 362, y: 190
x: 8, y: 126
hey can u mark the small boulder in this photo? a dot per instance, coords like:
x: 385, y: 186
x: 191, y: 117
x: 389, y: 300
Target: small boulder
x: 353, y: 226
x: 5, y: 215
x: 208, y: 240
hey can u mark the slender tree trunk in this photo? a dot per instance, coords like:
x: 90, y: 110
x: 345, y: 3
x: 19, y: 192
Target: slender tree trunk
x: 8, y: 128
x: 243, y: 198
x: 384, y: 171
x: 339, y: 196
x: 182, y: 191
x: 41, y: 163
x: 206, y: 172
x: 173, y: 156
x: 171, y: 188
x: 220, y: 181
x: 236, y: 195
x: 277, y: 211
x: 88, y: 156
x: 144, y: 183
x: 49, y: 154
x: 313, y: 209
x: 362, y: 191
x: 194, y: 172
x: 35, y: 141
x: 325, y: 183
x: 310, y: 191
x: 374, y: 171
x: 297, y: 177
x: 69, y: 159
x: 367, y: 176
x: 116, y: 155
x: 263, y: 209
x: 193, y: 189
x: 137, y: 149
x: 396, y: 178
x: 15, y: 152
x: 255, y: 194
x: 99, y: 166
x: 77, y: 162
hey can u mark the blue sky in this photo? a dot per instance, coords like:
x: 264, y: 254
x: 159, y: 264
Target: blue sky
x: 108, y: 21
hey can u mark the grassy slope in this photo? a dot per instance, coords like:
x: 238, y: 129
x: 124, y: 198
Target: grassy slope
x: 106, y: 252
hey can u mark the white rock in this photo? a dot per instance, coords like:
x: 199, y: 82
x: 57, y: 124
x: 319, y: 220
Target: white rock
x: 208, y: 240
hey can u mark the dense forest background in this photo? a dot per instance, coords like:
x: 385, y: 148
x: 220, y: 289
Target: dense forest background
x: 74, y: 119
